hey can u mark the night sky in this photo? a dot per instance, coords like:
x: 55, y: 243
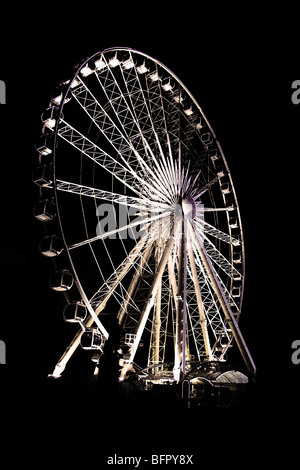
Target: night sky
x: 239, y: 68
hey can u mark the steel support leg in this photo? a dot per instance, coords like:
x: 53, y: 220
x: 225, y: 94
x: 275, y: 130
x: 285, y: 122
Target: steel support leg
x: 150, y: 301
x: 223, y: 302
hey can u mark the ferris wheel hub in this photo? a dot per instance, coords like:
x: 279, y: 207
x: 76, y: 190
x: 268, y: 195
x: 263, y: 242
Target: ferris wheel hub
x: 188, y: 207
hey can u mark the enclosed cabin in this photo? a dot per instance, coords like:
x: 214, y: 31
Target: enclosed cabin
x: 75, y: 312
x: 61, y: 280
x: 49, y: 117
x: 44, y: 144
x: 91, y: 339
x: 51, y: 246
x: 167, y: 84
x: 45, y: 210
x: 127, y: 61
x: 43, y: 175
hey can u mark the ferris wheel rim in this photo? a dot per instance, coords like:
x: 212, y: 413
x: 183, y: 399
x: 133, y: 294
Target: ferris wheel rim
x: 80, y: 66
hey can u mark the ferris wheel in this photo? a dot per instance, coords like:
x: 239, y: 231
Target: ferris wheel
x: 148, y: 224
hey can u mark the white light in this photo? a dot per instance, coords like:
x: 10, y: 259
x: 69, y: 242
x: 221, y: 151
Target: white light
x: 154, y: 77
x: 48, y: 117
x: 44, y: 151
x: 128, y: 64
x: 142, y: 68
x: 57, y: 100
x: 188, y: 111
x: 178, y: 98
x: 189, y: 207
x: 235, y: 242
x: 100, y: 64
x: 57, y: 372
x: 114, y: 62
x: 86, y: 71
x: 167, y: 86
x: 75, y: 83
x: 199, y: 125
x: 50, y: 123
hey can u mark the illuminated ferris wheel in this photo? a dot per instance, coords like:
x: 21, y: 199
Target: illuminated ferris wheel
x: 148, y: 219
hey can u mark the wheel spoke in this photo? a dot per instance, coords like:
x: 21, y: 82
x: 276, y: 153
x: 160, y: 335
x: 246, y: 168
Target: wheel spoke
x: 142, y: 203
x: 122, y: 145
x: 124, y: 174
x: 146, y: 221
x: 202, y: 225
x: 100, y: 298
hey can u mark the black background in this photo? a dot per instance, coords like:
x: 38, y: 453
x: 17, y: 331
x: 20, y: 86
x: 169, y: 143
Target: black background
x: 239, y: 66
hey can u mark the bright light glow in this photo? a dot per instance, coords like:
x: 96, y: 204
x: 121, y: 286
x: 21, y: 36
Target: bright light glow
x: 50, y: 123
x: 86, y: 71
x: 199, y: 125
x: 100, y: 64
x: 57, y: 100
x: 189, y: 111
x: 42, y: 217
x: 178, y: 98
x: 142, y: 68
x: 48, y: 117
x: 128, y: 64
x: 154, y: 77
x: 57, y: 372
x: 44, y: 150
x: 75, y: 83
x: 114, y: 62
x: 167, y: 86
x: 189, y: 207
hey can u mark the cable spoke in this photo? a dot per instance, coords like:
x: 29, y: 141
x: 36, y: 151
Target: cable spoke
x: 106, y: 161
x: 113, y: 134
x: 145, y: 222
x: 100, y: 298
x: 212, y: 209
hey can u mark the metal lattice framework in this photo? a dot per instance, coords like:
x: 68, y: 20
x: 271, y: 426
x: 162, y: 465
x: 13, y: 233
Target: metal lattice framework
x: 125, y: 136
